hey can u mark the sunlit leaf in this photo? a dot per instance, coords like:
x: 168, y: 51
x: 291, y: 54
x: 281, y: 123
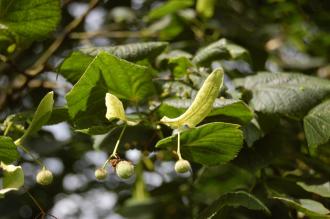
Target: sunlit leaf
x: 209, y: 144
x: 106, y: 73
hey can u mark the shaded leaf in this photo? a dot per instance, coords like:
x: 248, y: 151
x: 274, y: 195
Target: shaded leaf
x: 179, y: 66
x: 59, y: 114
x: 209, y: 144
x: 8, y: 151
x: 131, y: 52
x: 287, y: 93
x: 317, y: 126
x: 309, y: 207
x: 252, y: 132
x: 13, y: 178
x: 221, y: 49
x: 74, y: 66
x: 96, y: 130
x: 233, y: 199
x: 41, y: 116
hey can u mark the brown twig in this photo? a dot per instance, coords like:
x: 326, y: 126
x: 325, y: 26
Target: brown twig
x: 39, y: 65
x: 42, y: 214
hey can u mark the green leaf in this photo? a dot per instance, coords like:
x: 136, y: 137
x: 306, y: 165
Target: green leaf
x: 322, y: 190
x: 77, y: 62
x: 167, y: 28
x: 13, y: 178
x: 41, y: 116
x: 286, y: 93
x: 59, y: 114
x: 106, y: 73
x: 209, y: 144
x: 131, y: 52
x: 309, y: 207
x: 233, y: 199
x: 74, y: 66
x: 205, y: 7
x: 179, y: 66
x: 31, y: 19
x: 8, y: 152
x: 228, y: 108
x: 232, y: 108
x: 317, y: 126
x: 252, y: 132
x: 168, y: 8
x: 221, y: 49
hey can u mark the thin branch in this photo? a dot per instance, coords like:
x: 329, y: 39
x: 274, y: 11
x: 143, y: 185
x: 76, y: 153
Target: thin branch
x: 39, y: 65
x: 36, y: 202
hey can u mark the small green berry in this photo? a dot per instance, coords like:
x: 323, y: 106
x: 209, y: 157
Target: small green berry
x: 124, y: 169
x: 44, y: 177
x: 182, y: 166
x: 101, y: 173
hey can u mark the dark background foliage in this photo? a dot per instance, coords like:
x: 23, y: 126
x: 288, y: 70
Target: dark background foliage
x: 280, y: 35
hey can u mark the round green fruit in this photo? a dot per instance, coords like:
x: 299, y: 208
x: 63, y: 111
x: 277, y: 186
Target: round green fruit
x: 101, y: 173
x: 124, y: 169
x: 44, y: 177
x: 182, y: 166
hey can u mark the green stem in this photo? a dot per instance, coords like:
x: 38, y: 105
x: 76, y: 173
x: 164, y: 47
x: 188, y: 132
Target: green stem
x: 179, y: 146
x: 7, y: 128
x: 116, y: 146
x: 19, y: 144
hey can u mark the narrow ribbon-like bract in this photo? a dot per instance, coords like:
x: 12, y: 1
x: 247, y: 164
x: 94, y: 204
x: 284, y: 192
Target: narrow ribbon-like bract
x: 202, y: 104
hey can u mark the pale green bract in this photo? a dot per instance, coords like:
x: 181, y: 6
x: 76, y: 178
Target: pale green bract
x: 202, y: 104
x: 115, y: 109
x: 13, y: 178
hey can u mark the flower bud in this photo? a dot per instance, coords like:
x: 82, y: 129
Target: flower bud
x: 44, y: 177
x: 124, y: 169
x: 101, y: 173
x: 182, y: 166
